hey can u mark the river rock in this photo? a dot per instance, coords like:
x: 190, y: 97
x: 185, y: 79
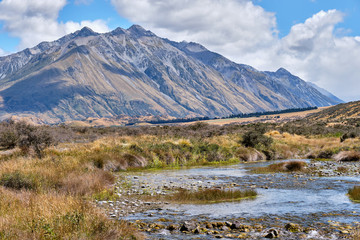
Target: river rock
x: 188, y: 226
x: 240, y: 226
x: 172, y: 227
x: 272, y: 233
x: 292, y: 227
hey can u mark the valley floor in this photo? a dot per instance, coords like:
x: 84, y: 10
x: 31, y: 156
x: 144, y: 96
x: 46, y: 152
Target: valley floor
x: 117, y: 183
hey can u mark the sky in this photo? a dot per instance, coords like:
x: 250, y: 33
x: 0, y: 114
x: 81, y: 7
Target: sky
x: 317, y: 40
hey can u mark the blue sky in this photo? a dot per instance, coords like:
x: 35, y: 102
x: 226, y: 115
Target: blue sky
x: 290, y: 12
x: 317, y: 40
x: 287, y: 12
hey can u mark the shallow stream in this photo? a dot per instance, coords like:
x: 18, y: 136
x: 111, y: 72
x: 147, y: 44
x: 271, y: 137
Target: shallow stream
x: 282, y: 198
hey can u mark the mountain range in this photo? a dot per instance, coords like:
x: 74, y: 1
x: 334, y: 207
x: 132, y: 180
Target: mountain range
x: 133, y: 72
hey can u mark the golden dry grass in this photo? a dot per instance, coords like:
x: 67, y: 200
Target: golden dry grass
x: 41, y: 193
x: 211, y: 195
x: 289, y: 166
x: 29, y: 215
x: 292, y: 145
x: 356, y: 235
x: 50, y: 198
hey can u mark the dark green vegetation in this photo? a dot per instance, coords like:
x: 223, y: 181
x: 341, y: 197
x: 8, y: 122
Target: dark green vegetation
x: 256, y: 138
x: 242, y: 115
x: 258, y: 114
x: 354, y: 193
x: 211, y: 195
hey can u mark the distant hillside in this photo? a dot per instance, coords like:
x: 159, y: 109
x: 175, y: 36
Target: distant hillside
x: 325, y: 92
x: 338, y: 112
x: 135, y: 73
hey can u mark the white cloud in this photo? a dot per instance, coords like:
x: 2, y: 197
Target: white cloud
x: 221, y: 25
x: 2, y: 52
x: 97, y: 26
x: 34, y: 21
x: 312, y: 51
x: 246, y: 33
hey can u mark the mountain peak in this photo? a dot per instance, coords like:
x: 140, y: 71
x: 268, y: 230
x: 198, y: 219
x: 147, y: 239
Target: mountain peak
x: 195, y: 47
x: 282, y: 71
x: 117, y: 31
x: 139, y: 31
x: 85, y: 32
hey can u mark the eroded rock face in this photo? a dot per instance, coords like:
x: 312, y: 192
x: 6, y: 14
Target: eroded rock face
x: 133, y: 72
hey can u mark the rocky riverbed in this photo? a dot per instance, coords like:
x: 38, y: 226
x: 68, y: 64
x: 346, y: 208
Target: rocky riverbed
x: 309, y: 205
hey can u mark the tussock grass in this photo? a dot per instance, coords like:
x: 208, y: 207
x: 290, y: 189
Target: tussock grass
x: 356, y: 235
x: 354, y: 193
x: 289, y: 166
x: 29, y: 215
x: 211, y: 195
x: 346, y: 156
x: 50, y: 198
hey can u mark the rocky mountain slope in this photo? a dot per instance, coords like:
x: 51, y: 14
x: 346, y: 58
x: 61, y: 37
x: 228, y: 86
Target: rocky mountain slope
x: 133, y: 72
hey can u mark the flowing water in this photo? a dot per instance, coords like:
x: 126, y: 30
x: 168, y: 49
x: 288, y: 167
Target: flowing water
x: 298, y: 198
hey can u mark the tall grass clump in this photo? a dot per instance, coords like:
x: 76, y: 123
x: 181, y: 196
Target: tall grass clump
x: 29, y: 215
x: 18, y: 180
x: 211, y: 195
x: 354, y: 193
x: 288, y: 166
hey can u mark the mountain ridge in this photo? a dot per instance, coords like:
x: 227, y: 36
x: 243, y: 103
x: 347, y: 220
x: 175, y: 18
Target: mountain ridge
x: 134, y: 72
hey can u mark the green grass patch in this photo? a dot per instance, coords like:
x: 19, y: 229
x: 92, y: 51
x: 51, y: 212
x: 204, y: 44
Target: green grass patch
x: 211, y: 195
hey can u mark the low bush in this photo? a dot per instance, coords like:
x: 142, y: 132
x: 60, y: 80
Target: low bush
x: 347, y: 136
x: 255, y: 138
x: 26, y: 137
x: 8, y: 136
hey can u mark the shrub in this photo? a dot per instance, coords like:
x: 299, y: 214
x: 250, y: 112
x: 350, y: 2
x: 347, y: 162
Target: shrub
x: 8, y: 136
x: 26, y: 137
x: 254, y: 138
x: 347, y: 136
x: 36, y: 138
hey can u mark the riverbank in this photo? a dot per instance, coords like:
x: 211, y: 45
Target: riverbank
x: 315, y: 206
x: 100, y: 181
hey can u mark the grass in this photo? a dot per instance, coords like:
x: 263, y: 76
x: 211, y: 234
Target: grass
x: 211, y: 195
x: 289, y: 166
x: 354, y: 193
x: 50, y: 198
x: 356, y: 235
x: 29, y: 215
